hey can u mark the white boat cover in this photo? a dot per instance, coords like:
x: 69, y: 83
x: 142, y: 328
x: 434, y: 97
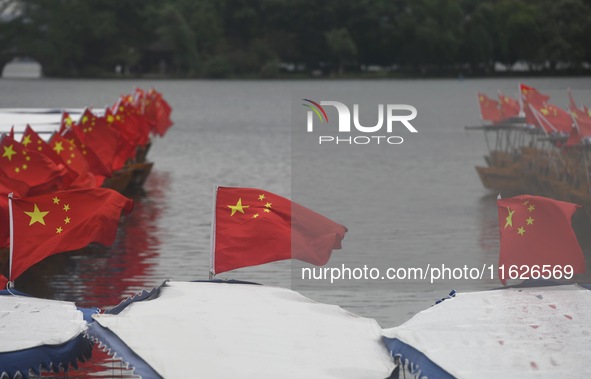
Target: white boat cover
x: 39, y: 121
x: 42, y: 120
x: 221, y: 330
x: 39, y: 334
x: 535, y: 332
x: 28, y: 322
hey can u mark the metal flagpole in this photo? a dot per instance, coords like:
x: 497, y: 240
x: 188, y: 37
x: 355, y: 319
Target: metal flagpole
x: 212, y: 237
x: 11, y: 225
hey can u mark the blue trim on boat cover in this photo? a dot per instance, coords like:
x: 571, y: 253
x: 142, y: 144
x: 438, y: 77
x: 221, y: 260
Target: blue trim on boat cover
x: 112, y: 342
x: 416, y: 362
x: 46, y: 357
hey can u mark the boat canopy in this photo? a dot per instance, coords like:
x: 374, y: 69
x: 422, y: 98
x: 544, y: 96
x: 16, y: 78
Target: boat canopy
x: 224, y: 330
x: 40, y: 334
x: 522, y: 332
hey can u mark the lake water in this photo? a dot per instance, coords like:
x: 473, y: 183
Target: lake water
x: 410, y: 205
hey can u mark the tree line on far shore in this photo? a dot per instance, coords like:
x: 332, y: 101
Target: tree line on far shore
x: 270, y: 38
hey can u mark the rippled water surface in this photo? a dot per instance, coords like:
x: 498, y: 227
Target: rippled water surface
x: 410, y: 205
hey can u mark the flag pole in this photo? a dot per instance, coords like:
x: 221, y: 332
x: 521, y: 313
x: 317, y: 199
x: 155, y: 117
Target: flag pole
x: 212, y: 236
x: 11, y: 225
x: 521, y: 110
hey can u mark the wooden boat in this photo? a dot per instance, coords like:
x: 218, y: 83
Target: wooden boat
x: 120, y: 180
x: 503, y: 179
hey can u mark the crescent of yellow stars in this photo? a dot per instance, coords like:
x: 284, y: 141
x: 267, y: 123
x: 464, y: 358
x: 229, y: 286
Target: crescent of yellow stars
x: 36, y: 216
x: 238, y: 207
x: 528, y: 221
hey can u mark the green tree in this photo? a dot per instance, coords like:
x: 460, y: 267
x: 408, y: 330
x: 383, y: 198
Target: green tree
x: 342, y: 46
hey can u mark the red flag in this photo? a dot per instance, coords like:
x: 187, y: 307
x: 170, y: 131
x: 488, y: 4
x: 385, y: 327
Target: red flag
x: 95, y: 164
x: 509, y: 106
x: 253, y: 227
x: 4, y: 225
x: 7, y: 186
x: 31, y: 167
x: 74, y: 159
x: 97, y: 167
x: 582, y: 129
x: 67, y: 122
x: 571, y: 99
x: 533, y: 96
x: 63, y: 221
x: 133, y: 127
x: 99, y: 136
x: 553, y: 119
x: 489, y: 108
x: 32, y: 141
x: 158, y: 112
x: 126, y: 146
x: 536, y: 231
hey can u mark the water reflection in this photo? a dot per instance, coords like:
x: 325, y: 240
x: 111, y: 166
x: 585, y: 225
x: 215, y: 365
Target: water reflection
x: 489, y: 227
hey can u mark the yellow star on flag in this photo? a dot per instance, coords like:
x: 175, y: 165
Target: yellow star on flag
x: 255, y: 215
x: 8, y: 152
x: 531, y: 208
x: 530, y: 221
x: 56, y: 200
x: 58, y: 230
x: 67, y: 220
x: 58, y: 147
x: 26, y: 140
x: 266, y: 210
x: 36, y: 216
x: 520, y: 231
x: 238, y: 207
x: 509, y: 219
x: 66, y: 207
x: 261, y: 197
x: 268, y: 205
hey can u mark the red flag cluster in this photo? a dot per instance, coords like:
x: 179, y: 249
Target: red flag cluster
x: 497, y: 111
x: 67, y: 170
x: 573, y: 124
